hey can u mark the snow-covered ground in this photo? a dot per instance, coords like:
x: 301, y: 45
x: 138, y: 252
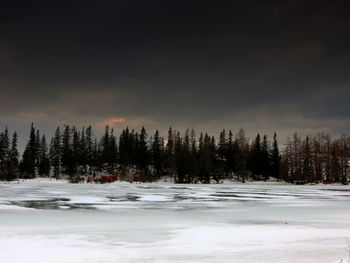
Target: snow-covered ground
x: 48, y: 221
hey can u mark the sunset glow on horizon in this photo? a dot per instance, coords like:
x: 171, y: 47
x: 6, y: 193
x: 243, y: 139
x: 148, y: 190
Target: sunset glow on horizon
x: 115, y: 120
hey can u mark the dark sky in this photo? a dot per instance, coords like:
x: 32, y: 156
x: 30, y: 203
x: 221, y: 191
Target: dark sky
x: 261, y: 65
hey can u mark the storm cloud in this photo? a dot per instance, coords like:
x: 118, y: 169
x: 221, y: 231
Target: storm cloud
x: 263, y: 65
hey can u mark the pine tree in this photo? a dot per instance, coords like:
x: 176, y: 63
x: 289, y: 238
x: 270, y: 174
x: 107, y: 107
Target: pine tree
x: 275, y: 159
x: 344, y: 157
x: 265, y: 158
x: 2, y: 157
x: 44, y: 162
x: 179, y: 160
x: 143, y: 156
x: 83, y: 158
x: 75, y: 150
x: 222, y: 157
x: 194, y: 169
x: 5, y: 155
x: 113, y: 153
x: 186, y: 155
x: 125, y: 148
x: 105, y: 148
x: 67, y: 158
x: 134, y: 143
x: 308, y: 174
x: 219, y: 163
x: 232, y: 152
x: 89, y: 149
x: 335, y: 165
x: 14, y: 158
x: 205, y: 158
x: 157, y: 155
x: 297, y: 158
x: 169, y: 153
x: 6, y: 144
x: 288, y: 160
x: 6, y: 171
x: 242, y: 154
x: 37, y: 149
x: 109, y: 151
x: 56, y: 153
x: 201, y: 158
x: 28, y: 164
x: 96, y: 157
x: 255, y: 161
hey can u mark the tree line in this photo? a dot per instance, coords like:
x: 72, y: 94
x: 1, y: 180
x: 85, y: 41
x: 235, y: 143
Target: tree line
x: 183, y: 158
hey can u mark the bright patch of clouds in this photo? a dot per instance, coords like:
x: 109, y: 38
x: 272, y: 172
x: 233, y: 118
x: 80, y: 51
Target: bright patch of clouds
x: 115, y: 120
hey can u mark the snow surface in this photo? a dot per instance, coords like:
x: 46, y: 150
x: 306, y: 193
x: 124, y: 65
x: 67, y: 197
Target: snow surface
x: 49, y: 221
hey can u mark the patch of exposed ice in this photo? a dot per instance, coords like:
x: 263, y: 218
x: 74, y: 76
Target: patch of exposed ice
x: 154, y: 198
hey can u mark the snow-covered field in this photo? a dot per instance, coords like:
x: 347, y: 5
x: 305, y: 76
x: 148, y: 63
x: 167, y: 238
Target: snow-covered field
x: 45, y: 221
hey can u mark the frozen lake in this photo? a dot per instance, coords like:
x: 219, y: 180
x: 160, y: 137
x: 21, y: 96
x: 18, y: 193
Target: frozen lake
x: 48, y: 221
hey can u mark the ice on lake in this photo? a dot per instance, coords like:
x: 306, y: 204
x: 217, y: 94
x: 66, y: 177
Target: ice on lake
x: 49, y: 221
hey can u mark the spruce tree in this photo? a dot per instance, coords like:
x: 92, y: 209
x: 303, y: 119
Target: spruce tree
x: 14, y: 158
x: 89, y: 149
x: 134, y: 143
x: 5, y: 155
x: 83, y: 159
x: 308, y: 174
x: 157, y: 155
x: 6, y: 144
x: 96, y: 157
x: 242, y: 155
x: 265, y: 158
x: 125, y: 148
x: 179, y: 159
x: 113, y: 153
x: 75, y: 151
x: 205, y: 158
x: 37, y: 149
x: 232, y: 151
x: 223, y: 154
x: 67, y: 158
x: 2, y: 157
x: 187, y: 157
x: 143, y: 156
x: 193, y: 160
x: 105, y: 148
x: 275, y: 159
x: 169, y: 153
x: 109, y: 151
x: 335, y: 165
x: 28, y: 164
x: 44, y: 162
x: 255, y: 160
x: 56, y: 153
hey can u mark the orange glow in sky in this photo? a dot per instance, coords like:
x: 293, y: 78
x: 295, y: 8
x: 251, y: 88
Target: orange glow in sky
x: 115, y: 120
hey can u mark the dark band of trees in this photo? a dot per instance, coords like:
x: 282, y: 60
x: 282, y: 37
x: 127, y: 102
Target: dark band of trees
x: 184, y: 158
